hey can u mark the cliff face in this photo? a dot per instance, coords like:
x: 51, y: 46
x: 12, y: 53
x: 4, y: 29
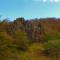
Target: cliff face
x: 35, y: 30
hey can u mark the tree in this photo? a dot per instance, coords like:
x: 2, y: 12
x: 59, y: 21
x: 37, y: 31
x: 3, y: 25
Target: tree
x: 21, y: 40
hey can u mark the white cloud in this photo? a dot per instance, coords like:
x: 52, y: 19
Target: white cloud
x: 56, y: 0
x: 44, y: 0
x: 52, y: 1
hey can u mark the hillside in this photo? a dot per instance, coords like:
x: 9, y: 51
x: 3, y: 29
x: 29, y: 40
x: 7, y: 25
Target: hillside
x: 35, y: 39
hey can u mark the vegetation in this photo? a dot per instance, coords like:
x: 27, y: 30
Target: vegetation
x: 37, y: 39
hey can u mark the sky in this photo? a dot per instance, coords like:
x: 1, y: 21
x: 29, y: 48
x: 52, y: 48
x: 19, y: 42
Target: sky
x: 29, y: 9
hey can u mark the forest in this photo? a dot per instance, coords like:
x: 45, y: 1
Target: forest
x: 34, y: 39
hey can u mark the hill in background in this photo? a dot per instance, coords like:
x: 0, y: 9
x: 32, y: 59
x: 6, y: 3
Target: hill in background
x: 35, y: 39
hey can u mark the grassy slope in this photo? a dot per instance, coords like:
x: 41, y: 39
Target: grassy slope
x: 18, y: 48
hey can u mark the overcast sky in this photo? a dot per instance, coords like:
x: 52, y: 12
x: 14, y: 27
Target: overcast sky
x: 29, y: 8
